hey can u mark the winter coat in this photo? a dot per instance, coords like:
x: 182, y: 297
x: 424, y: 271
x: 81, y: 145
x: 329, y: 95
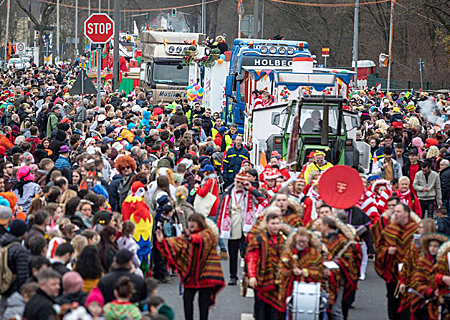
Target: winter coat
x: 445, y: 183
x: 29, y: 191
x: 207, y: 125
x: 433, y: 183
x: 113, y: 188
x: 443, y: 225
x: 80, y: 114
x: 56, y: 143
x: 17, y: 261
x: 34, y: 231
x: 15, y: 306
x: 178, y: 119
x: 210, y: 184
x: 4, y: 142
x: 40, y: 307
x: 107, y: 285
x: 52, y: 123
x: 124, y: 187
x: 232, y: 162
x: 62, y: 162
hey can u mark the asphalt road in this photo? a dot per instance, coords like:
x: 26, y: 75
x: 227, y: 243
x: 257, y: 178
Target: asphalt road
x: 370, y: 300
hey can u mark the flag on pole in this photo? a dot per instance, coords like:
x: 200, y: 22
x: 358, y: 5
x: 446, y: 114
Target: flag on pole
x: 263, y: 159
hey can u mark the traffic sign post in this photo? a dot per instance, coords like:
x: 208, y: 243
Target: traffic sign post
x: 99, y: 29
x: 20, y: 48
x: 325, y: 55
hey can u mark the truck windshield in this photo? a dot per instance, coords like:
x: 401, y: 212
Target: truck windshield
x: 311, y: 119
x: 164, y: 73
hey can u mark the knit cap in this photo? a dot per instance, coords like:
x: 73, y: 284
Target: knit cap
x: 95, y: 296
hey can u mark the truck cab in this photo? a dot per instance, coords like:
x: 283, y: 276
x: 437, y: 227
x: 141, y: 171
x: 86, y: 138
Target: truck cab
x: 164, y: 70
x: 251, y: 60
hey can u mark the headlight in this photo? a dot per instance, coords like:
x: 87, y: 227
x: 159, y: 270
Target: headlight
x: 179, y: 49
x: 273, y: 50
x: 282, y: 50
x: 171, y: 49
x: 264, y: 49
x: 290, y: 50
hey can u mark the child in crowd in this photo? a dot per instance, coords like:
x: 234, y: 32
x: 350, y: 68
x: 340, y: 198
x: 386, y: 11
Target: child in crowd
x: 94, y: 303
x: 122, y: 308
x: 126, y: 241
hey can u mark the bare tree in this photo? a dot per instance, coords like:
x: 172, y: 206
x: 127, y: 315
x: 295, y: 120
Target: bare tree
x: 46, y: 16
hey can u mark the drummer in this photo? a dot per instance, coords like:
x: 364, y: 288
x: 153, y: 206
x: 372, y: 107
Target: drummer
x: 302, y: 261
x: 346, y: 254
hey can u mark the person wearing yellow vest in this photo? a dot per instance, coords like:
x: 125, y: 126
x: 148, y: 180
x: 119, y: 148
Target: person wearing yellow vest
x: 319, y: 164
x: 216, y: 127
x: 228, y: 138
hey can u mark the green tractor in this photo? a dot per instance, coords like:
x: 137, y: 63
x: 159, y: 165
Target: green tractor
x: 319, y: 123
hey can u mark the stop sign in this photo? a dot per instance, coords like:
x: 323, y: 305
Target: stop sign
x: 99, y: 28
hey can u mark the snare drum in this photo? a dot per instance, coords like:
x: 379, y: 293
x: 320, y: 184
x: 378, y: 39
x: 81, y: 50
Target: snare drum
x: 305, y: 301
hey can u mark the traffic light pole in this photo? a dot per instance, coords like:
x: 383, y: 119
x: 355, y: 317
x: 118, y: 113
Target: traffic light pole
x: 116, y: 44
x: 8, y: 9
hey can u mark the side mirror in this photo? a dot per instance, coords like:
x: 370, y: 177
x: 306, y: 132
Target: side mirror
x: 229, y: 86
x: 275, y: 118
x: 143, y: 72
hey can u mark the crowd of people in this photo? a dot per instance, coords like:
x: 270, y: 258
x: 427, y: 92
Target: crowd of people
x: 101, y: 204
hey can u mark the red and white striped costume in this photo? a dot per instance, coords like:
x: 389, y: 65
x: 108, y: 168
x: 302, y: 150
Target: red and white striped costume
x: 368, y: 205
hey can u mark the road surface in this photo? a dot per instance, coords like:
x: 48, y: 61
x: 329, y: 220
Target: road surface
x: 370, y: 300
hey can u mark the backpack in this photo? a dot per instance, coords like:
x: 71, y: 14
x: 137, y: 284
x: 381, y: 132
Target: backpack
x: 7, y: 278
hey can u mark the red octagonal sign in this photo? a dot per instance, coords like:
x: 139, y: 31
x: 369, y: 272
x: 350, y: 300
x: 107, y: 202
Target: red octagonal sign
x: 99, y: 28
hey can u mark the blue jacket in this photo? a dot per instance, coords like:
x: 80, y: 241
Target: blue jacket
x: 62, y: 162
x: 232, y: 162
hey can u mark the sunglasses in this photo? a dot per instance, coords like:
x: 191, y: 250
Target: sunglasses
x: 9, y: 167
x: 126, y: 167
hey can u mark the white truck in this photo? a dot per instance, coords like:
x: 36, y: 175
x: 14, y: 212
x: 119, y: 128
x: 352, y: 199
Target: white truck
x: 164, y: 70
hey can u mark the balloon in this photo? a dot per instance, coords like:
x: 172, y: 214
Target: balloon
x: 194, y: 92
x: 191, y: 98
x: 200, y: 95
x: 197, y: 88
x: 220, y: 61
x: 190, y: 87
x: 201, y: 90
x: 192, y: 95
x: 222, y: 56
x: 195, y: 84
x: 196, y: 99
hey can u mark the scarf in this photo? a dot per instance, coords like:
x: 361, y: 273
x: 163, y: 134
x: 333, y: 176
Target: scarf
x: 314, y: 196
x: 243, y: 200
x: 404, y: 196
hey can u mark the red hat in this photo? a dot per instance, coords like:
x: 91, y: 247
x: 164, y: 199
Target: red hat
x: 271, y: 174
x: 275, y: 154
x: 310, y: 155
x: 242, y: 176
x: 431, y: 142
x: 397, y: 125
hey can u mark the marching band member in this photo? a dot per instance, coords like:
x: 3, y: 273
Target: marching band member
x: 394, y: 242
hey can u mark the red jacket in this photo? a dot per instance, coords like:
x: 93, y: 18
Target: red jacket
x: 203, y: 191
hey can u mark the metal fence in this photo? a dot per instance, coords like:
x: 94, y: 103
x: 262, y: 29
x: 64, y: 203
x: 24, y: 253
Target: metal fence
x: 373, y: 80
